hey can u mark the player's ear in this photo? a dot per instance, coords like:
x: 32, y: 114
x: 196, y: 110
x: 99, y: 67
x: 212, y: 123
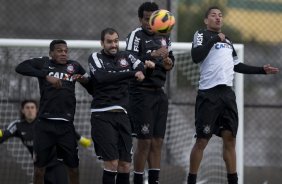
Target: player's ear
x: 206, y: 21
x: 102, y: 43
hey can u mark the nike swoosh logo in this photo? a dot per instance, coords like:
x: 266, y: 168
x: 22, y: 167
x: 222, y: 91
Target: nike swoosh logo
x: 148, y: 41
x: 50, y: 67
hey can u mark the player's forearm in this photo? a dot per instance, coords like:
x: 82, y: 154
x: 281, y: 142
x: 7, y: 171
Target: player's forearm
x: 26, y: 68
x: 247, y: 69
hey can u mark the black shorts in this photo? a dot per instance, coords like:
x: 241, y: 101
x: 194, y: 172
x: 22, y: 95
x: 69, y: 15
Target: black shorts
x: 216, y: 110
x: 111, y: 134
x: 50, y: 135
x: 148, y: 113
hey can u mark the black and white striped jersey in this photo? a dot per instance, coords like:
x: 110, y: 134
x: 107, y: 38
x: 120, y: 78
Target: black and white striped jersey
x: 109, y: 77
x: 54, y: 103
x: 141, y: 44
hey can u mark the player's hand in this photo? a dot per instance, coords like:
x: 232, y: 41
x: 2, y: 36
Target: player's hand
x: 161, y: 52
x: 85, y: 142
x: 270, y: 69
x: 56, y: 83
x: 1, y: 133
x: 222, y: 36
x: 149, y: 64
x: 139, y: 76
x: 80, y: 78
x: 167, y: 63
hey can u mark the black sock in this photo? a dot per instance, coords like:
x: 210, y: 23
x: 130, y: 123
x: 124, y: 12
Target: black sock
x: 138, y: 178
x: 109, y: 177
x: 154, y: 176
x: 122, y: 178
x: 192, y: 178
x: 232, y: 178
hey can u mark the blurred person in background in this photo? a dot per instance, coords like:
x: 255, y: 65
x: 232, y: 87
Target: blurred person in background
x: 23, y: 129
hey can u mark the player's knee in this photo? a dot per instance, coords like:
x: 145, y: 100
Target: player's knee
x: 123, y: 167
x: 157, y: 143
x: 201, y: 144
x: 111, y: 165
x: 143, y: 145
x: 39, y: 173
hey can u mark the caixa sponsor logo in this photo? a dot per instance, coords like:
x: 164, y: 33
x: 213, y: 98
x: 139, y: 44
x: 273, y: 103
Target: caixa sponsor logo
x: 223, y: 45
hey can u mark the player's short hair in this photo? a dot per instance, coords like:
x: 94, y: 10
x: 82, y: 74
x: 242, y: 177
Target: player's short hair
x: 107, y: 31
x: 209, y: 10
x: 55, y: 42
x: 147, y: 6
x: 24, y: 102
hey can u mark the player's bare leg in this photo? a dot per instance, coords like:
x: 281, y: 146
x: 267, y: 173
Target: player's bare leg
x: 74, y: 175
x: 141, y: 154
x: 154, y: 160
x: 229, y: 156
x: 140, y: 158
x: 38, y: 177
x: 154, y: 157
x: 196, y: 157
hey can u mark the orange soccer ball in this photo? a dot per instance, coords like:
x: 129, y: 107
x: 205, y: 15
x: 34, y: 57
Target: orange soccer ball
x: 162, y: 21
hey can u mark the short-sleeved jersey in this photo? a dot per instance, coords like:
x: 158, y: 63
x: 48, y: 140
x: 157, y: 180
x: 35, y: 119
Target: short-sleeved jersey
x: 216, y: 58
x: 54, y: 103
x: 109, y: 77
x: 141, y: 44
x: 20, y: 129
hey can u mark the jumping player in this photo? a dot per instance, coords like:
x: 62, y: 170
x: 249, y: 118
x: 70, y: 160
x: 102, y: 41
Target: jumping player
x: 110, y: 71
x: 148, y: 105
x: 54, y: 128
x: 216, y: 108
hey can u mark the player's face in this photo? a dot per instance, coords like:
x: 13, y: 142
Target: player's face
x: 29, y: 111
x: 145, y: 21
x: 214, y: 21
x: 60, y: 53
x: 110, y: 44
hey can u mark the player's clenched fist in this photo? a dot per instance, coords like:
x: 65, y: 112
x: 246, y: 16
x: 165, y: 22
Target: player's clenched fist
x: 149, y: 64
x: 56, y: 83
x: 139, y: 76
x: 168, y: 63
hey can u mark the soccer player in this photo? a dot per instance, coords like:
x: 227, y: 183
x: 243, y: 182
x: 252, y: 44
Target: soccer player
x: 148, y: 102
x: 216, y: 109
x: 110, y: 71
x: 54, y: 128
x: 23, y: 129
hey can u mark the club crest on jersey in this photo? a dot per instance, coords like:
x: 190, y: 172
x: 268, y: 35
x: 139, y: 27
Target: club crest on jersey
x: 163, y: 42
x: 207, y: 129
x: 70, y: 68
x: 123, y: 62
x: 145, y: 129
